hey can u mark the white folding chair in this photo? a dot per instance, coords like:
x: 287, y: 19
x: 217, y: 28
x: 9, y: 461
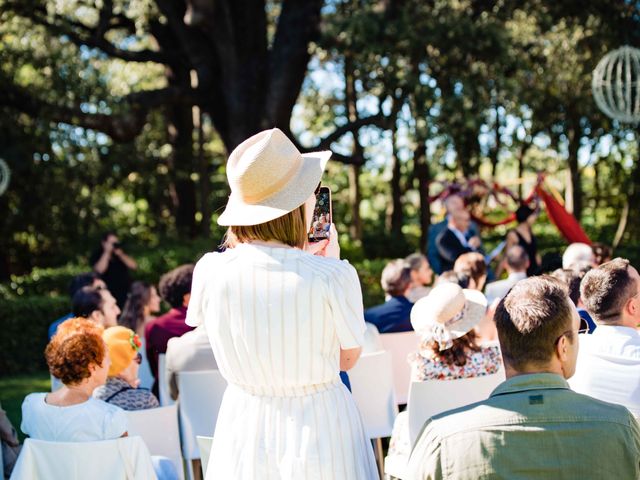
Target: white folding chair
x: 204, y: 445
x: 372, y: 387
x: 432, y: 397
x: 199, y: 401
x: 158, y: 427
x: 163, y: 387
x: 144, y: 372
x: 125, y: 458
x: 400, y: 345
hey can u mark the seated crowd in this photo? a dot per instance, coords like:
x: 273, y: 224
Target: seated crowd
x: 544, y: 421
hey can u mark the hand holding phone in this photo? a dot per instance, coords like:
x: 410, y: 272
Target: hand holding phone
x: 322, y: 216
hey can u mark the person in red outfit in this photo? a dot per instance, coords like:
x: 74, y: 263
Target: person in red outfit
x: 175, y: 289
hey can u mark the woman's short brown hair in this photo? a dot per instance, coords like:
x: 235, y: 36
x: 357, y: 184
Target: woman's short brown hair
x: 76, y: 346
x: 457, y: 353
x: 289, y: 229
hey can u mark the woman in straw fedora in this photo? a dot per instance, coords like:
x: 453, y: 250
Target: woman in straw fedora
x: 282, y: 321
x: 445, y: 321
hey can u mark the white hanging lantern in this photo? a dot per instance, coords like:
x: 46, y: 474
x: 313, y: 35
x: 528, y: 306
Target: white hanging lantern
x: 615, y: 84
x: 5, y: 174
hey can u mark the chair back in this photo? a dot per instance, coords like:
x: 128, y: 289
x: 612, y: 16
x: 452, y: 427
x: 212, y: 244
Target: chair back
x: 400, y: 345
x: 163, y: 387
x: 199, y: 402
x: 158, y: 427
x: 432, y: 397
x: 144, y: 372
x: 204, y: 445
x: 55, y: 383
x: 125, y: 458
x: 372, y: 387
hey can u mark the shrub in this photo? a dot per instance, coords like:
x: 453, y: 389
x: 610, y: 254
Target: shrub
x: 24, y: 322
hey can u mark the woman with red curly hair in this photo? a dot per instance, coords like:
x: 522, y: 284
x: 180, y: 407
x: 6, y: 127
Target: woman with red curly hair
x: 78, y: 356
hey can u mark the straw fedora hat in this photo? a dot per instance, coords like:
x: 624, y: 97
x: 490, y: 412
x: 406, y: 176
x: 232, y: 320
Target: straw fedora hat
x: 269, y: 178
x: 447, y: 313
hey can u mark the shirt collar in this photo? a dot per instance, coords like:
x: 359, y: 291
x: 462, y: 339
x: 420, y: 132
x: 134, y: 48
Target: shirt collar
x: 615, y: 330
x: 531, y: 381
x: 517, y: 276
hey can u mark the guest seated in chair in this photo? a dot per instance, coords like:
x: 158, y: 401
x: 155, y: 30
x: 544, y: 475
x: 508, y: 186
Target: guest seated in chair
x: 79, y: 357
x: 121, y: 388
x: 445, y: 320
x: 393, y: 314
x: 532, y: 425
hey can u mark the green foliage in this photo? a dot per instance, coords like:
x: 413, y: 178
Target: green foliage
x: 24, y: 323
x: 13, y: 389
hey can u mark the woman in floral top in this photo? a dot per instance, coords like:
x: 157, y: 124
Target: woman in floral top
x: 448, y: 350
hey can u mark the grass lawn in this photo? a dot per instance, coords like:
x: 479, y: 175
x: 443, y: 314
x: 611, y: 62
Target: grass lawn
x: 13, y: 389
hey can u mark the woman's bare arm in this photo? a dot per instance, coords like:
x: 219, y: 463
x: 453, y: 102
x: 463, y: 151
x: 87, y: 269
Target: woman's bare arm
x: 349, y: 357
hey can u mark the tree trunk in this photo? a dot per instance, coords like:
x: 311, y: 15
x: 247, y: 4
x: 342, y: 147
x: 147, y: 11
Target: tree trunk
x: 180, y: 132
x: 575, y: 183
x: 355, y: 195
x: 423, y: 177
x: 396, y: 216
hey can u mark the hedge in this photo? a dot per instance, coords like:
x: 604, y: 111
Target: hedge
x: 24, y: 322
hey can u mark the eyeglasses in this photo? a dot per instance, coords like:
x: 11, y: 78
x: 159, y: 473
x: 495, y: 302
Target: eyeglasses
x: 138, y: 358
x: 581, y: 330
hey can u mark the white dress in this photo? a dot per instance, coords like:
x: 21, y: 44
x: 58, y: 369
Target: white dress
x: 84, y: 422
x: 276, y: 319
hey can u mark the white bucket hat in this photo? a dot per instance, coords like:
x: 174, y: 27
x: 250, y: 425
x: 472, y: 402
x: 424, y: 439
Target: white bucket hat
x: 447, y: 313
x: 269, y: 178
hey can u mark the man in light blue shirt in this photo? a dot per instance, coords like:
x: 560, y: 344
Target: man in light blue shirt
x: 532, y: 426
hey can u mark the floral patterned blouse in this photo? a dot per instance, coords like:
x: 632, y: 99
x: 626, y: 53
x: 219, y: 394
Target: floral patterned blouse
x: 486, y: 361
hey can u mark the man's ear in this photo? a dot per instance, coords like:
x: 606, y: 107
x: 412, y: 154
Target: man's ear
x: 97, y: 316
x: 185, y: 299
x: 562, y: 348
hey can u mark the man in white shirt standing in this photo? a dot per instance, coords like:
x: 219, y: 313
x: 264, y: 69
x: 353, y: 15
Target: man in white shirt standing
x: 517, y: 264
x: 609, y: 359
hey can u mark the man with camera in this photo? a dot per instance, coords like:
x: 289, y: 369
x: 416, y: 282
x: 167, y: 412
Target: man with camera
x: 113, y: 265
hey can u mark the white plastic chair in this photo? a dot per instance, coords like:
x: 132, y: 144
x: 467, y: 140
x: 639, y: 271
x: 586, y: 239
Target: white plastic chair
x: 204, y: 445
x: 158, y: 427
x: 122, y: 459
x: 400, y: 345
x: 200, y: 396
x: 144, y: 372
x: 372, y: 387
x: 432, y: 397
x: 163, y: 387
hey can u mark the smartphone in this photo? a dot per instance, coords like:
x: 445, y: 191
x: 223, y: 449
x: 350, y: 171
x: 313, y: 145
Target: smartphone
x: 322, y: 216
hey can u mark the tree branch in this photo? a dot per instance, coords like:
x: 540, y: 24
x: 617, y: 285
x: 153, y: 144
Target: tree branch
x: 80, y: 34
x: 298, y: 25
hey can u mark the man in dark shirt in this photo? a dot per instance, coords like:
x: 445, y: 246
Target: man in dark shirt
x: 113, y: 265
x: 175, y: 289
x: 394, y: 314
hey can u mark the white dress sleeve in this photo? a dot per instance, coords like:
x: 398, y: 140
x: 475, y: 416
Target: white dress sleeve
x: 27, y: 414
x: 115, y: 423
x: 347, y: 309
x: 195, y: 310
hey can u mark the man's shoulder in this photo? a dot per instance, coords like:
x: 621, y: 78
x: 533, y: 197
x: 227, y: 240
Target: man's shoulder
x: 490, y: 413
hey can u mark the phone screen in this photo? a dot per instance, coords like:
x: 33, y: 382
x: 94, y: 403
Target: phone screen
x: 321, y: 221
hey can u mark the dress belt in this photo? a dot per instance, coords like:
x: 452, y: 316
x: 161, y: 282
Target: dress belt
x: 288, y: 391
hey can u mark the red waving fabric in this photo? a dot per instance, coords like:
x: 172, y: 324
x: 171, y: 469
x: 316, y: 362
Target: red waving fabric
x: 563, y: 220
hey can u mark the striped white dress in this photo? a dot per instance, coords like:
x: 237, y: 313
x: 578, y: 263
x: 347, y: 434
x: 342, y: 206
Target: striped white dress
x: 276, y: 319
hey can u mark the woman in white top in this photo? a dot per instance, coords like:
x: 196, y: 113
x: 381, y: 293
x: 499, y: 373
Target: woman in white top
x: 78, y: 356
x: 282, y: 323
